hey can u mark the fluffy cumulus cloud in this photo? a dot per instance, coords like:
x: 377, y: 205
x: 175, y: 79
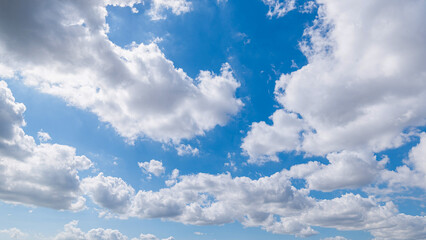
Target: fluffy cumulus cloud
x: 13, y: 233
x: 43, y: 136
x: 271, y: 203
x: 264, y: 141
x: 350, y: 170
x: 71, y: 231
x: 417, y: 155
x: 41, y: 175
x: 155, y: 167
x: 61, y: 48
x: 362, y: 92
x: 411, y: 174
x: 186, y: 149
x: 109, y: 192
x: 205, y: 199
x: 279, y: 8
x: 363, y: 87
x: 178, y: 7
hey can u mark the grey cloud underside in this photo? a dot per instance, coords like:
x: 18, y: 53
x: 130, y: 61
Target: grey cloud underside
x: 61, y: 48
x: 362, y: 92
x: 36, y: 174
x: 271, y: 203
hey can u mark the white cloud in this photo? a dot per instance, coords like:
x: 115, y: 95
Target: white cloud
x: 187, y: 149
x: 410, y: 175
x: 109, y: 192
x: 352, y: 212
x: 151, y: 237
x: 346, y: 170
x: 43, y: 136
x: 363, y: 87
x: 279, y: 8
x: 13, y: 233
x: 335, y: 238
x: 178, y: 7
x: 270, y: 203
x: 173, y: 178
x: 42, y: 175
x: 155, y: 167
x: 308, y: 7
x: 264, y: 141
x: 71, y: 231
x: 211, y: 199
x: 417, y: 155
x: 62, y: 49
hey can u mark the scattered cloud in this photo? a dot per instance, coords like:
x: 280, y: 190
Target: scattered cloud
x: 151, y: 237
x: 279, y: 8
x: 178, y: 7
x: 346, y: 170
x: 294, y: 64
x: 155, y: 167
x: 187, y: 149
x: 43, y: 136
x: 335, y: 238
x: 308, y: 7
x: 13, y: 233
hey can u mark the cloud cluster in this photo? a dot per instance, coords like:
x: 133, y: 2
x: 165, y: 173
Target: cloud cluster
x: 271, y: 203
x: 108, y: 192
x: 279, y: 8
x: 71, y: 231
x: 46, y: 175
x: 346, y: 170
x: 155, y: 167
x: 42, y: 175
x: 62, y: 48
x: 13, y: 233
x: 411, y: 174
x: 362, y: 89
x: 178, y: 7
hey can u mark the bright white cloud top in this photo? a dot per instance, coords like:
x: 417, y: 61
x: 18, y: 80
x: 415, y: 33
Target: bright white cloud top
x: 364, y: 87
x: 344, y: 149
x: 61, y: 48
x: 41, y: 175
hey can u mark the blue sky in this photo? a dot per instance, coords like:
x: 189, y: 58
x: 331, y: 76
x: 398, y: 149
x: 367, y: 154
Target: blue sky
x: 204, y: 119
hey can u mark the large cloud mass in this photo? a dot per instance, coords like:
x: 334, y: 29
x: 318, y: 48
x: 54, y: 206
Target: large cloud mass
x: 362, y: 89
x: 61, y: 48
x: 35, y: 174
